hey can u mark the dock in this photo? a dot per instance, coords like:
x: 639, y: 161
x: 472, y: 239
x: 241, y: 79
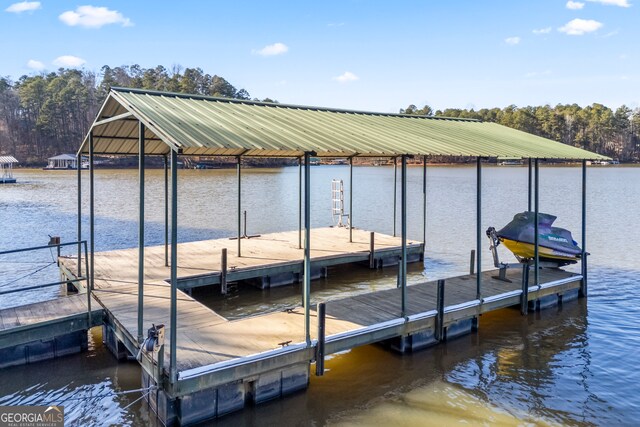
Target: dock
x: 199, y: 365
x: 262, y: 357
x: 45, y: 330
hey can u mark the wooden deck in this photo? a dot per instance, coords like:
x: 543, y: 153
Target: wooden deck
x: 267, y: 353
x: 205, y: 338
x: 44, y: 320
x: 199, y: 262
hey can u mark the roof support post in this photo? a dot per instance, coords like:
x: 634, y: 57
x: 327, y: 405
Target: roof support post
x: 173, y: 370
x: 583, y: 256
x: 79, y: 168
x: 403, y: 230
x: 478, y: 228
x: 307, y: 246
x: 536, y: 237
x: 530, y: 186
x: 424, y: 205
x: 351, y: 199
x: 166, y: 211
x: 300, y: 203
x: 92, y: 216
x: 141, y: 232
x: 239, y: 169
x: 395, y: 192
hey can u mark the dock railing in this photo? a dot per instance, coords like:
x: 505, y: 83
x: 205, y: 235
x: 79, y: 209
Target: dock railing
x: 55, y: 243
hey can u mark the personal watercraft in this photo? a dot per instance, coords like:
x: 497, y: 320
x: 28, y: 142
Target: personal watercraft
x: 555, y: 245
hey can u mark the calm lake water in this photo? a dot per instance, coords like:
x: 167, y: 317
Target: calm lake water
x: 576, y: 365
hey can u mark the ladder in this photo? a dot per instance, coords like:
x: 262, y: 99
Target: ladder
x: 337, y: 202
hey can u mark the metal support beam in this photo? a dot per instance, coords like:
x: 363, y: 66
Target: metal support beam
x: 113, y: 119
x: 166, y: 211
x: 92, y: 217
x: 320, y: 351
x: 424, y: 203
x: 173, y: 370
x: 239, y: 206
x: 307, y: 247
x: 86, y: 268
x: 141, y: 232
x: 524, y: 297
x: 530, y: 186
x: 395, y: 193
x: 584, y: 256
x: 403, y: 219
x: 350, y: 199
x: 439, y: 326
x: 536, y: 225
x: 223, y: 272
x: 300, y: 203
x: 79, y: 164
x: 372, y: 250
x: 479, y: 228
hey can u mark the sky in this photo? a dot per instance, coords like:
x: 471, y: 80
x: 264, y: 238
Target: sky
x: 355, y: 54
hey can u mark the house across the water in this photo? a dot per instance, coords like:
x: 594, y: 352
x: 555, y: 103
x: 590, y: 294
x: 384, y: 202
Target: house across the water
x: 65, y: 161
x: 6, y: 169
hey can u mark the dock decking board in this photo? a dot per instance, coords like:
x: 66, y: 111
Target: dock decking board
x: 206, y: 338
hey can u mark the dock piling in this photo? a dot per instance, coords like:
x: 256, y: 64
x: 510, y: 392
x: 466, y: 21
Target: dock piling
x: 472, y: 262
x: 439, y: 333
x: 321, y: 339
x: 524, y: 299
x: 223, y: 272
x: 583, y: 258
x: 372, y: 250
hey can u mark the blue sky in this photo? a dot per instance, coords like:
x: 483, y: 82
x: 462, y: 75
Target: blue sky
x: 370, y: 55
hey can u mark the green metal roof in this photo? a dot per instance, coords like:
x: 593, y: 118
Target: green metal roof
x: 199, y: 125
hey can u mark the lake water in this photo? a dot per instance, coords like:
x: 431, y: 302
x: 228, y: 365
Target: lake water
x: 575, y: 365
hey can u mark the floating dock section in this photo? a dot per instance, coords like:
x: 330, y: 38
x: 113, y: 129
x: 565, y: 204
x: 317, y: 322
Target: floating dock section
x: 223, y: 364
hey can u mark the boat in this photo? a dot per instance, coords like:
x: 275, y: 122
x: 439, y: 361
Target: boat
x: 555, y: 245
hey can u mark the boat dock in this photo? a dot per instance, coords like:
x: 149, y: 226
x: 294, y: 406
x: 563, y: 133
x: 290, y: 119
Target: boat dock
x: 200, y: 365
x: 232, y: 362
x: 45, y: 330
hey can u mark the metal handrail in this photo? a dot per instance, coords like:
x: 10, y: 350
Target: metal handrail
x: 86, y: 277
x: 46, y: 285
x: 34, y: 248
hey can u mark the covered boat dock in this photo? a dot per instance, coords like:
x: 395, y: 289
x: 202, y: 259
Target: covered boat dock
x: 6, y: 169
x: 255, y: 363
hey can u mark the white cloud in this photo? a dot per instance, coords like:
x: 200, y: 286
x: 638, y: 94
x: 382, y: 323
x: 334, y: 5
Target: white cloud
x: 273, y: 49
x: 512, y: 41
x: 574, y: 5
x: 578, y: 27
x: 35, y: 65
x: 94, y: 17
x: 346, y: 77
x: 620, y: 3
x: 546, y: 30
x: 25, y: 6
x: 68, y: 61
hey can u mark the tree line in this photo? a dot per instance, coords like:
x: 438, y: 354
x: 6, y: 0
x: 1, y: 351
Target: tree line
x: 46, y: 114
x: 614, y: 133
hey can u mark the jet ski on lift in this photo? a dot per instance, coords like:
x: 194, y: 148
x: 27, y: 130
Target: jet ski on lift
x: 556, y: 247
